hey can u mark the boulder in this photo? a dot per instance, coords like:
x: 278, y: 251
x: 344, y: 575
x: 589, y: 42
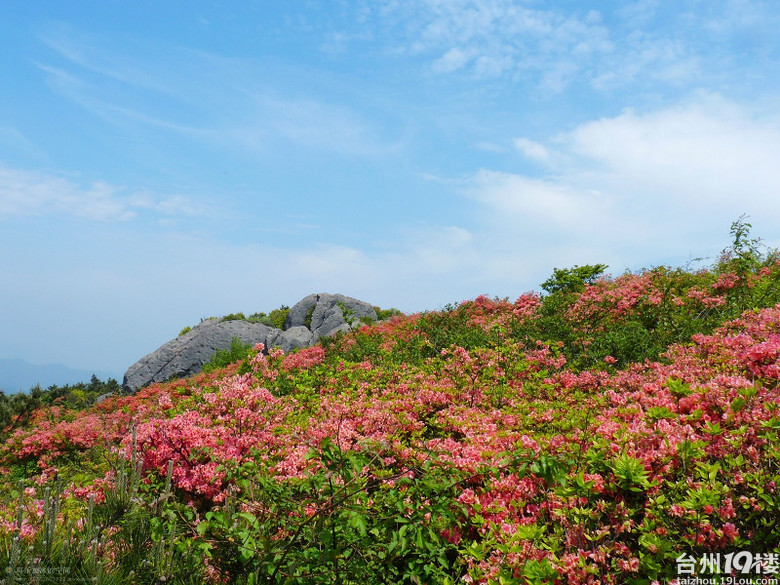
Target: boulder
x: 185, y: 355
x: 292, y: 338
x: 322, y: 314
x: 312, y: 318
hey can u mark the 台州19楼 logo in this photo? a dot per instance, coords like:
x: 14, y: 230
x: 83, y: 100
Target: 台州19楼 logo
x: 734, y: 568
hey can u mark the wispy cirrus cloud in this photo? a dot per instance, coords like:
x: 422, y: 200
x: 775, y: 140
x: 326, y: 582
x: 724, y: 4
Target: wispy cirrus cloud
x: 606, y: 48
x: 229, y: 103
x: 13, y: 140
x: 491, y: 38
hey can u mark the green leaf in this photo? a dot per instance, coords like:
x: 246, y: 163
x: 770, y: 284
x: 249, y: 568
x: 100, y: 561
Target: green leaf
x: 418, y: 540
x: 530, y: 532
x: 630, y: 472
x: 678, y: 388
x: 738, y: 404
x: 655, y: 413
x: 358, y: 522
x: 772, y: 423
x: 713, y: 429
x: 249, y: 518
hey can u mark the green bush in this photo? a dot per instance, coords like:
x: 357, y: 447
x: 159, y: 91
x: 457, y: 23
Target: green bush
x: 384, y: 314
x: 279, y: 316
x: 237, y: 351
x: 234, y: 317
x: 151, y: 525
x: 17, y: 409
x: 442, y: 448
x: 275, y: 318
x: 573, y: 280
x: 351, y: 530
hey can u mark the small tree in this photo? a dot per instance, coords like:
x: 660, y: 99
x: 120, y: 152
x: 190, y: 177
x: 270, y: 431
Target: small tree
x: 572, y: 280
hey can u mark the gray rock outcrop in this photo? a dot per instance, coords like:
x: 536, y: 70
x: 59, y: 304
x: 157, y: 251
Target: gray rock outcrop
x: 185, y: 355
x: 292, y: 338
x: 314, y: 317
x: 323, y: 314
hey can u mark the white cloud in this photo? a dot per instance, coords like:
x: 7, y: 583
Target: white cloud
x: 553, y: 204
x: 656, y: 46
x: 637, y: 188
x: 638, y: 13
x: 750, y: 18
x: 704, y: 152
x: 34, y: 193
x: 631, y: 190
x: 437, y: 250
x: 490, y: 38
x: 645, y: 57
x: 326, y: 263
x: 452, y: 60
x: 533, y: 150
x: 488, y: 66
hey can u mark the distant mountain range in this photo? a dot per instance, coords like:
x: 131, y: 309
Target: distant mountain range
x: 18, y: 375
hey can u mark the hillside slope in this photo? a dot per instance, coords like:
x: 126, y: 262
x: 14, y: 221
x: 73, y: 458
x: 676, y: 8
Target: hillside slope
x: 614, y: 430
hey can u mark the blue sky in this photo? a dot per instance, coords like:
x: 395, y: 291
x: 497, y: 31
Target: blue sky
x: 161, y: 162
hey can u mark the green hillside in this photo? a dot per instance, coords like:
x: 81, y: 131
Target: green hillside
x: 609, y: 429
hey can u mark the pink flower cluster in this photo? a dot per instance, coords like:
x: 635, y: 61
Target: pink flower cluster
x: 303, y: 359
x: 543, y: 447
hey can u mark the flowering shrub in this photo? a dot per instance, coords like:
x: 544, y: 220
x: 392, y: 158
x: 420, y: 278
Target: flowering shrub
x: 592, y: 435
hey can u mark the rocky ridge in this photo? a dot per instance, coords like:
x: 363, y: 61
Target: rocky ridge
x: 309, y: 320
